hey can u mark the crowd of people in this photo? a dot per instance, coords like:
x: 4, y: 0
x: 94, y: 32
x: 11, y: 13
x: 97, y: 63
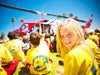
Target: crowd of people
x: 78, y: 48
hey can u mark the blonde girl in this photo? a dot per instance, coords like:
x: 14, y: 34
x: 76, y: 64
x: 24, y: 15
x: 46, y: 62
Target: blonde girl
x: 77, y: 55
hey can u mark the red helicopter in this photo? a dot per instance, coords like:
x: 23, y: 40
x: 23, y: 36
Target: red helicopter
x: 28, y: 27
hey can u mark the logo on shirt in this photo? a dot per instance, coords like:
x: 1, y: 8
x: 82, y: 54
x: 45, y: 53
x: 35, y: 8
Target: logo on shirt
x: 14, y: 49
x: 40, y: 63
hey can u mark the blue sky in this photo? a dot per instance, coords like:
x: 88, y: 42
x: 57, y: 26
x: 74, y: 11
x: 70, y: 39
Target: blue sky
x: 81, y: 8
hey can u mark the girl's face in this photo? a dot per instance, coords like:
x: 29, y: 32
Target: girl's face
x: 68, y: 38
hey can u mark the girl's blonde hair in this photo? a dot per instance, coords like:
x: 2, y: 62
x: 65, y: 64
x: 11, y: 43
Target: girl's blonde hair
x: 76, y: 29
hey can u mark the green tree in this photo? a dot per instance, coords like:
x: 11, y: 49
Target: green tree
x: 12, y: 20
x: 71, y: 15
x: 76, y: 17
x: 2, y: 36
x: 21, y: 19
x: 64, y: 14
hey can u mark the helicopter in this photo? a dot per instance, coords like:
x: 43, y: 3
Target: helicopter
x: 28, y: 27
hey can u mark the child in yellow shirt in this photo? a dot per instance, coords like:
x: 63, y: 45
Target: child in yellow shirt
x: 38, y: 57
x: 7, y: 64
x: 77, y: 55
x: 15, y: 46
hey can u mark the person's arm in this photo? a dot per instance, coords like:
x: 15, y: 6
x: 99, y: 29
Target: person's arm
x: 24, y: 61
x: 60, y: 71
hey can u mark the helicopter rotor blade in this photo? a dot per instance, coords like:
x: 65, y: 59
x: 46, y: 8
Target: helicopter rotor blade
x: 35, y: 12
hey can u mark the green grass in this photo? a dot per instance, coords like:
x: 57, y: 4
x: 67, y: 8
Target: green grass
x: 21, y: 70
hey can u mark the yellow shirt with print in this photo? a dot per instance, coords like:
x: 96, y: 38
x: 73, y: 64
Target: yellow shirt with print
x: 15, y: 47
x: 79, y: 62
x: 39, y: 59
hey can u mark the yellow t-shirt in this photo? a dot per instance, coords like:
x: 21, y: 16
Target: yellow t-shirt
x: 93, y: 45
x: 39, y: 59
x: 95, y: 49
x: 6, y: 57
x: 51, y: 38
x: 94, y: 38
x: 15, y: 47
x: 79, y: 62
